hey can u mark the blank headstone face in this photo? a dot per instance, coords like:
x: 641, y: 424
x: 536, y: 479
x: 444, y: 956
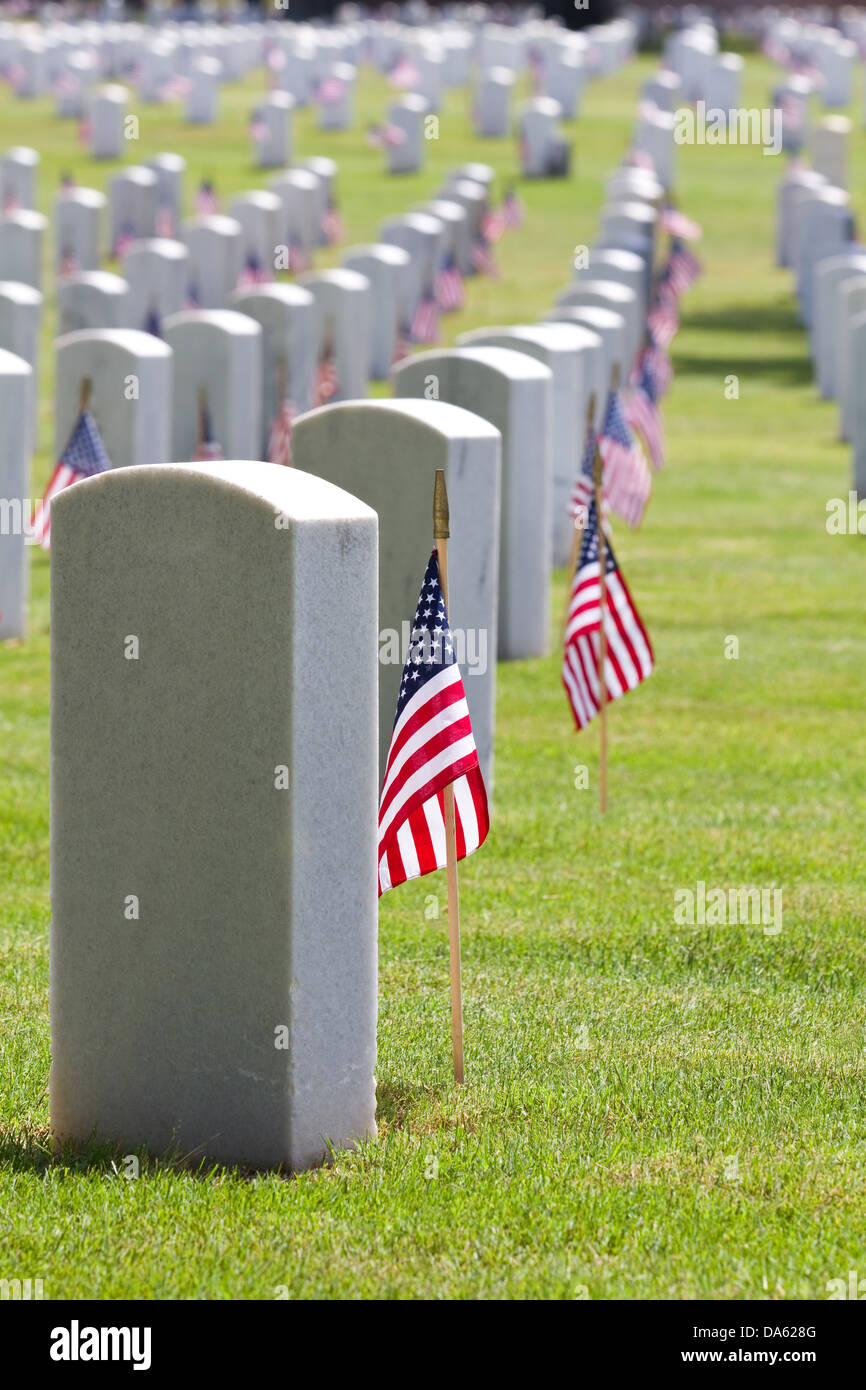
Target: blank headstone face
x: 336, y: 97
x: 827, y: 226
x: 610, y: 328
x: 564, y: 76
x: 492, y: 111
x: 513, y: 392
x: 78, y: 215
x: 202, y: 103
x: 857, y: 400
x: 573, y: 356
x: 543, y: 149
x: 324, y: 170
x: 130, y: 399
x: 407, y: 115
x: 609, y: 294
x: 273, y: 142
x: 342, y: 311
x: 213, y: 813
x: 831, y: 138
x: 157, y: 272
x: 22, y: 235
x: 473, y: 198
x: 828, y: 274
x: 851, y: 302
x: 457, y: 238
x: 18, y: 168
x: 624, y: 223
x: 387, y: 269
x: 95, y: 299
x: 20, y: 317
x: 299, y: 192
x: 421, y: 235
x: 285, y: 314
x: 387, y: 453
x: 132, y: 203
x: 170, y: 169
x: 108, y: 109
x: 218, y: 362
x: 216, y: 255
x: 259, y: 215
x: 16, y: 448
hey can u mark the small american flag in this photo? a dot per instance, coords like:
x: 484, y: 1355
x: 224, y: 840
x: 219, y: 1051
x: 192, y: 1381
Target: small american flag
x: 682, y: 269
x: 83, y: 456
x: 678, y: 225
x: 483, y: 259
x: 258, y: 128
x: 512, y: 208
x: 330, y: 91
x: 68, y: 264
x: 165, y: 224
x: 385, y: 136
x: 402, y: 345
x: 207, y: 450
x: 280, y: 437
x: 450, y: 294
x: 628, y: 653
x: 584, y: 488
x: 494, y: 225
x: 125, y: 238
x: 332, y: 224
x: 253, y: 273
x: 85, y: 130
x: 663, y: 322
x: 432, y: 747
x: 298, y: 260
x: 404, y: 74
x: 206, y: 200
x: 626, y: 477
x: 658, y: 363
x: 642, y: 415
x: 326, y: 385
x: 640, y: 159
x: 152, y: 322
x: 425, y: 321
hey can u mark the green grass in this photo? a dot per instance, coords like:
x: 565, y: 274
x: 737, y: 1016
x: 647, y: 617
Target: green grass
x: 617, y: 1063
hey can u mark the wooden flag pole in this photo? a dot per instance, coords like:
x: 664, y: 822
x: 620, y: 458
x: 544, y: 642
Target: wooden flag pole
x: 282, y: 382
x: 441, y: 531
x: 84, y: 398
x: 602, y: 637
x: 202, y: 408
x: 576, y: 530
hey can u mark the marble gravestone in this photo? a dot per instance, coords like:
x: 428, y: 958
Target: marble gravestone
x: 335, y: 97
x: 492, y: 108
x: 857, y: 400
x: 609, y: 294
x: 272, y: 130
x: 286, y: 316
x: 797, y: 185
x: 130, y: 376
x: 456, y: 230
x: 22, y: 235
x: 827, y: 225
x: 20, y: 322
x: 78, y: 216
x: 610, y: 328
x: 17, y: 409
x: 387, y: 269
x: 299, y: 192
x: 407, y: 114
x: 513, y: 392
x: 216, y: 256
x: 259, y: 215
x: 625, y: 267
x: 387, y: 453
x: 132, y: 205
x: 852, y: 302
x: 342, y: 311
x: 18, y: 169
x: 108, y: 108
x: 831, y: 138
x: 324, y: 170
x: 574, y: 357
x: 93, y: 299
x: 157, y: 272
x: 628, y: 225
x: 828, y: 274
x: 213, y: 904
x: 170, y: 170
x: 218, y: 367
x: 421, y: 236
x: 544, y: 150
x: 202, y: 102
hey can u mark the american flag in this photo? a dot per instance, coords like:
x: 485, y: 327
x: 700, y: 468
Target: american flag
x: 165, y: 224
x: 678, y: 225
x: 207, y: 449
x: 206, y: 200
x: 404, y: 74
x: 682, y: 269
x: 125, y: 238
x: 483, y: 259
x: 297, y: 261
x: 326, y: 384
x: 330, y: 91
x: 83, y: 456
x: 332, y: 224
x: 449, y: 286
x: 626, y: 477
x: 193, y: 298
x: 68, y: 263
x: 663, y: 321
x: 258, y: 128
x: 584, y: 488
x: 280, y: 437
x: 628, y: 652
x: 253, y: 273
x: 402, y: 345
x: 640, y: 159
x: 385, y: 136
x: 494, y: 224
x: 432, y: 747
x: 658, y: 363
x: 512, y: 208
x: 425, y: 320
x: 85, y: 130
x: 642, y: 415
x: 152, y: 323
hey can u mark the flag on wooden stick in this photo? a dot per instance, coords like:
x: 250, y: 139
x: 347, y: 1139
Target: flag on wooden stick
x: 627, y: 481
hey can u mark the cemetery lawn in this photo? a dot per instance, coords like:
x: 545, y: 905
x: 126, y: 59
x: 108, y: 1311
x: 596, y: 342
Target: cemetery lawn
x: 652, y: 1110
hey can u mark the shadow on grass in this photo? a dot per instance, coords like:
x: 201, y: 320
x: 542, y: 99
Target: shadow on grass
x: 395, y: 1100
x: 775, y: 371
x: 36, y: 1152
x: 777, y: 320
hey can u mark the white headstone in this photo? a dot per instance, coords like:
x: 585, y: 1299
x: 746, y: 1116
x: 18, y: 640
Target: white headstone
x: 132, y: 206
x: 108, y: 108
x: 829, y: 273
x: 130, y: 396
x: 387, y: 269
x: 213, y: 829
x: 421, y: 236
x: 93, y: 299
x: 388, y: 452
x: 78, y: 215
x: 170, y: 170
x: 492, y: 110
x: 513, y: 392
x: 407, y: 114
x: 299, y: 192
x: 342, y: 316
x: 216, y: 257
x: 831, y: 139
x: 544, y: 150
x: 286, y: 316
x: 18, y: 169
x: 16, y: 505
x: 218, y: 365
x: 610, y: 327
x: 157, y: 272
x: 22, y: 235
x: 259, y: 215
x: 852, y: 301
x: 20, y: 322
x: 272, y: 130
x: 202, y: 102
x: 609, y: 294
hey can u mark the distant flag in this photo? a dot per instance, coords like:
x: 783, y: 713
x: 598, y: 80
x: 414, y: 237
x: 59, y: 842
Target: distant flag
x: 165, y: 225
x: 258, y: 127
x: 68, y: 264
x: 678, y: 225
x: 494, y: 224
x: 193, y: 298
x: 385, y: 136
x: 626, y: 478
x: 404, y: 75
x: 207, y: 449
x: 125, y: 238
x: 83, y: 456
x: 584, y: 487
x: 67, y: 182
x: 432, y: 747
x: 298, y: 260
x: 512, y: 207
x: 628, y: 652
x: 425, y: 320
x: 206, y: 200
x: 253, y: 273
x: 483, y: 259
x: 659, y: 363
x: 326, y: 384
x: 280, y: 436
x: 85, y: 130
x: 402, y: 345
x: 330, y: 91
x: 152, y: 322
x: 663, y: 321
x: 681, y: 270
x: 641, y: 412
x: 332, y: 224
x: 450, y: 293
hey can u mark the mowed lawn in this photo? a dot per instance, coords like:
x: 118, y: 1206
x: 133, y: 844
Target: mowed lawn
x: 652, y: 1110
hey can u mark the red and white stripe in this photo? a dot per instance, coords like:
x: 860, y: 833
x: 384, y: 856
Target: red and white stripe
x: 280, y: 437
x: 62, y: 477
x: 432, y: 747
x: 626, y: 479
x: 644, y: 417
x: 628, y: 654
x: 425, y: 321
x: 449, y: 289
x: 326, y: 385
